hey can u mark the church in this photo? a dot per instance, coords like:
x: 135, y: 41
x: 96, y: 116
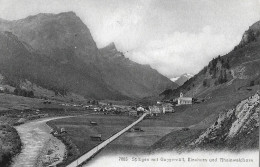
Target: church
x: 184, y: 100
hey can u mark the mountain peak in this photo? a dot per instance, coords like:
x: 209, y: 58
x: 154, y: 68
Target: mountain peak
x: 187, y: 75
x: 255, y: 26
x: 250, y: 35
x: 65, y: 56
x: 111, y: 46
x: 182, y: 79
x: 41, y: 16
x: 68, y: 13
x: 110, y: 50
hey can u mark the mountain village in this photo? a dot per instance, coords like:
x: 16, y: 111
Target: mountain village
x: 65, y: 101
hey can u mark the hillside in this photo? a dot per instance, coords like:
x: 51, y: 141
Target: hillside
x: 10, y: 144
x: 235, y: 129
x: 236, y: 70
x: 226, y: 95
x: 57, y: 52
x: 18, y: 64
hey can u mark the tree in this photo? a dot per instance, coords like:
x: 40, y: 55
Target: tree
x: 251, y: 35
x: 222, y: 77
x: 225, y: 64
x: 214, y: 73
x: 30, y: 94
x: 205, y: 83
x: 252, y: 83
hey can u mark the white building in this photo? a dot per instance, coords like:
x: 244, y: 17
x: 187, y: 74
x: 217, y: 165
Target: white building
x: 140, y: 109
x: 184, y: 100
x: 154, y: 110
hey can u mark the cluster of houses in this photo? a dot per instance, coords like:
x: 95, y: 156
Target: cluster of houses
x: 161, y: 107
x: 154, y: 110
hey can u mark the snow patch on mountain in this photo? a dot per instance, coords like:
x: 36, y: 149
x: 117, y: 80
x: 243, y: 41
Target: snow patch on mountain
x: 182, y: 79
x: 174, y: 79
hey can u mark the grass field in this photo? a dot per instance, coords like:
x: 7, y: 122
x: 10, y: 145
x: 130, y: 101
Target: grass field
x: 80, y: 130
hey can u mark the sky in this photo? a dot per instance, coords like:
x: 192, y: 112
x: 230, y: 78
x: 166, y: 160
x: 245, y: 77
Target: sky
x: 172, y: 36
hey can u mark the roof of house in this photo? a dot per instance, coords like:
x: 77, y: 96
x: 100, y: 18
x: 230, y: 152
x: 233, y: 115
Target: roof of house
x: 185, y: 98
x: 132, y: 111
x: 167, y: 104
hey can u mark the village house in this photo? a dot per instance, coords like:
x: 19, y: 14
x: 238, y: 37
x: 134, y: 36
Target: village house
x: 154, y: 110
x: 133, y: 113
x: 140, y: 109
x: 2, y: 89
x: 167, y: 108
x: 184, y: 100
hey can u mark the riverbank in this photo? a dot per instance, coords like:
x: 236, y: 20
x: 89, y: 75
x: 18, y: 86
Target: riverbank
x: 10, y: 144
x: 53, y: 153
x: 38, y: 143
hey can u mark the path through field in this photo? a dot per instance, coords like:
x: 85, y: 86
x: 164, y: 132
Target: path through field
x: 34, y: 135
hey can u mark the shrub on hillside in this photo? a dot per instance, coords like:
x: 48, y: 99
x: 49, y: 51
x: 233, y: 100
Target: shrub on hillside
x: 11, y: 139
x: 23, y: 92
x: 205, y: 83
x: 222, y: 77
x: 252, y: 83
x: 5, y: 159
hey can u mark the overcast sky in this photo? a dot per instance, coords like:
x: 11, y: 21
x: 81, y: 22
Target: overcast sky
x: 173, y: 36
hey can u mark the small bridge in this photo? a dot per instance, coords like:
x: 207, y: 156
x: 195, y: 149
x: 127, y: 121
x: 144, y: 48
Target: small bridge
x: 96, y: 149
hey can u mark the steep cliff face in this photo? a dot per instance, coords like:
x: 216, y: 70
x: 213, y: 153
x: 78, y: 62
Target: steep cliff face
x: 236, y: 129
x: 130, y: 78
x: 51, y: 33
x: 18, y: 64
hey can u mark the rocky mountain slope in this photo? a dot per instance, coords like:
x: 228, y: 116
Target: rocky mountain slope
x: 57, y: 52
x: 235, y: 129
x: 130, y: 78
x: 18, y: 64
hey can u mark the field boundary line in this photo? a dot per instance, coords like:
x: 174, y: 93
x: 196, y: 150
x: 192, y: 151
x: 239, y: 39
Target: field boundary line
x: 97, y: 148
